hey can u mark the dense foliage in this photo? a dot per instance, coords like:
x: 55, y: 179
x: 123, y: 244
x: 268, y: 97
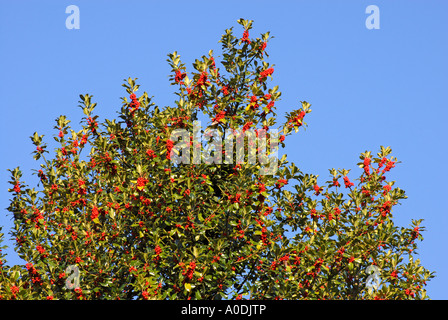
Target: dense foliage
x: 134, y: 224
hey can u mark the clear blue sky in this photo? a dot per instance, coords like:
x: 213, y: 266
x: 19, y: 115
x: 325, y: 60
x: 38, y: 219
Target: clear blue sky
x: 367, y: 87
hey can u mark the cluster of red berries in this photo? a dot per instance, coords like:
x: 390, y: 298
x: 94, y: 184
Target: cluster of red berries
x: 134, y: 105
x: 179, y: 77
x: 265, y: 73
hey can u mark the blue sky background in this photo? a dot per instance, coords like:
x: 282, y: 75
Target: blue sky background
x: 367, y: 87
